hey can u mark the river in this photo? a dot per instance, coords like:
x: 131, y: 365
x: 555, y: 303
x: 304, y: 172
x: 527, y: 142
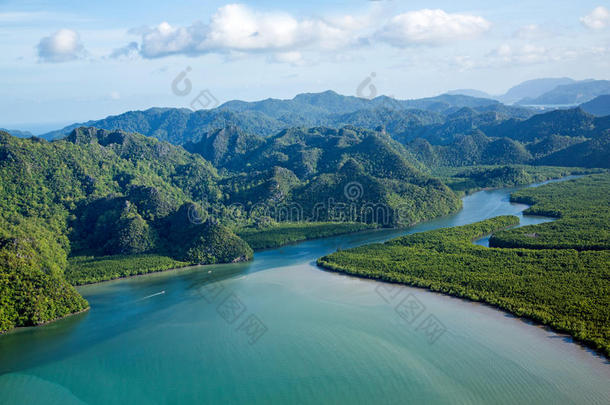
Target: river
x: 281, y: 330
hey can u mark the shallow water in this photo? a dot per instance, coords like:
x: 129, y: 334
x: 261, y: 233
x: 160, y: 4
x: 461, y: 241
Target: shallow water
x: 281, y: 330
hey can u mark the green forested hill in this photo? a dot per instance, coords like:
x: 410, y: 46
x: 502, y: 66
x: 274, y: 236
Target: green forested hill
x: 599, y: 106
x: 319, y: 150
x: 591, y: 153
x: 558, y: 138
x: 225, y: 147
x: 472, y: 149
x: 102, y: 192
x: 313, y: 169
x: 573, y: 122
x: 178, y: 126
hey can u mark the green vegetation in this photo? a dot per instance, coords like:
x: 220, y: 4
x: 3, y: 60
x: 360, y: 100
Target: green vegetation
x: 599, y: 106
x: 124, y: 197
x: 32, y: 287
x: 284, y: 233
x: 90, y: 269
x: 97, y: 193
x: 268, y: 117
x: 571, y: 138
x: 310, y: 170
x: 465, y: 180
x: 448, y: 130
x: 582, y: 207
x: 564, y: 288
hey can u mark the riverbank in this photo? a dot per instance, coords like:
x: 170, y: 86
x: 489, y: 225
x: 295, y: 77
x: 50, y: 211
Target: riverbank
x: 83, y: 270
x: 282, y: 234
x: 565, y: 289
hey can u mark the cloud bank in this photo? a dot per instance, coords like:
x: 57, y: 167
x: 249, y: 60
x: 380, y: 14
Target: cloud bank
x: 432, y: 27
x: 597, y: 19
x: 62, y: 46
x: 235, y: 28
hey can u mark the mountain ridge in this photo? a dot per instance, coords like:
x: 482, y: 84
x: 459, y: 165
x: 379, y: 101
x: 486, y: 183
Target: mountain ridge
x: 270, y: 116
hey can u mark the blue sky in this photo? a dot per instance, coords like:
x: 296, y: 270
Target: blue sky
x: 66, y: 61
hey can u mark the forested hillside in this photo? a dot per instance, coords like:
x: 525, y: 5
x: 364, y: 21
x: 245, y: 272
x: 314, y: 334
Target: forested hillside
x: 557, y: 138
x: 448, y: 130
x: 599, y: 106
x: 179, y: 193
x: 313, y: 169
x: 102, y: 196
x: 270, y: 116
x: 97, y: 192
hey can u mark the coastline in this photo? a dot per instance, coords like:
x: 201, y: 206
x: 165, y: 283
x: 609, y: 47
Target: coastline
x: 468, y: 298
x: 479, y: 296
x: 82, y: 311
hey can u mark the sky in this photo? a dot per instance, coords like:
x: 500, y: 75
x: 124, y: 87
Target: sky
x: 72, y: 61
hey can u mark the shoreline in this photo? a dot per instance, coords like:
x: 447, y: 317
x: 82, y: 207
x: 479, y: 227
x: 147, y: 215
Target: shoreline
x: 589, y: 345
x: 82, y: 311
x: 293, y: 243
x: 143, y: 274
x: 525, y: 318
x: 17, y: 329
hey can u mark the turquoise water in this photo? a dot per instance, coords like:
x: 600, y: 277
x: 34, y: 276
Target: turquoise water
x: 280, y: 330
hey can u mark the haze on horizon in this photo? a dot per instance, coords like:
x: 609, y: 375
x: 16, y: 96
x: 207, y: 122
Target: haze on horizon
x: 66, y: 61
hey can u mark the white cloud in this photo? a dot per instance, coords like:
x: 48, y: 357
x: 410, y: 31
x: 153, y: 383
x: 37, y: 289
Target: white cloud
x: 431, y: 27
x: 527, y: 54
x: 129, y: 51
x: 61, y: 46
x: 597, y: 19
x: 237, y: 28
x: 523, y: 54
x: 464, y: 62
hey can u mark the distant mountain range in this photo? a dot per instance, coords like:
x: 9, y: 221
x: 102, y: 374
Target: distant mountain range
x: 532, y: 89
x: 268, y: 117
x: 547, y: 92
x: 448, y: 130
x: 570, y: 94
x: 470, y: 92
x: 18, y: 133
x: 599, y: 106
